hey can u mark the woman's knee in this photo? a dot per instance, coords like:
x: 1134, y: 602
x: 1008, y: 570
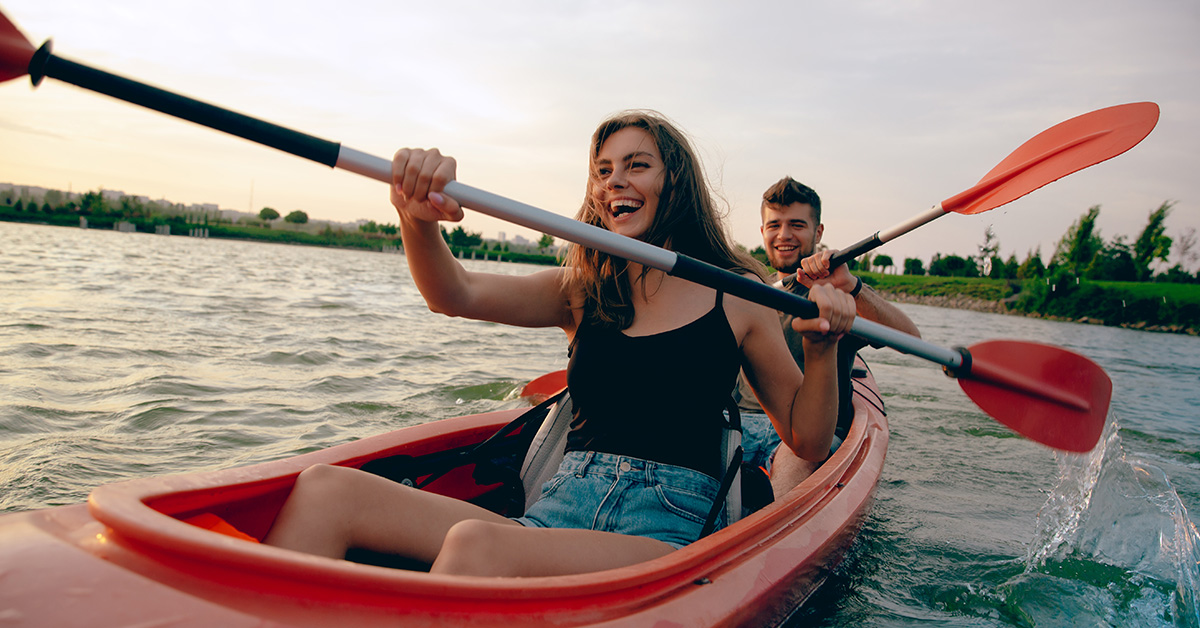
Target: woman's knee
x: 324, y: 483
x: 472, y: 547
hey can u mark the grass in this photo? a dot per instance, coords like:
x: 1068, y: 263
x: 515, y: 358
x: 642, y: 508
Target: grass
x: 975, y: 288
x: 1167, y: 306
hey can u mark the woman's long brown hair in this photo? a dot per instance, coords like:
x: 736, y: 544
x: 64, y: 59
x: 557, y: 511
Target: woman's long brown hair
x: 687, y: 221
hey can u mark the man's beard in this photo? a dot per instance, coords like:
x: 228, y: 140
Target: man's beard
x: 791, y: 268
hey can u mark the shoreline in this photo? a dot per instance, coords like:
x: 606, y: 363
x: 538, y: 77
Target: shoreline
x: 955, y: 301
x: 959, y: 302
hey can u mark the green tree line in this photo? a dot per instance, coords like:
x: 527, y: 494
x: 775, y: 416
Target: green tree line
x: 1087, y: 277
x: 1081, y: 251
x: 58, y: 208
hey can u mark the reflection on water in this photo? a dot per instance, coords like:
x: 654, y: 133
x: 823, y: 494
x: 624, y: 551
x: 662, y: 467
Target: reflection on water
x: 125, y: 355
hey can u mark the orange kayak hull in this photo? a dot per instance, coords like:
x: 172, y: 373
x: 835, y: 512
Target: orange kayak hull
x: 128, y: 557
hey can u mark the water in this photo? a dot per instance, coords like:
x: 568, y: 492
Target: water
x: 126, y: 355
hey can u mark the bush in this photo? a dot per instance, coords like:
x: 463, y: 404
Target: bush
x: 1114, y: 303
x: 953, y: 266
x: 914, y: 266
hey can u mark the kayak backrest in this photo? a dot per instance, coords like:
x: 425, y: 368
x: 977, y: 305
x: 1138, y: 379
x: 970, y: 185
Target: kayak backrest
x: 546, y: 450
x: 731, y: 459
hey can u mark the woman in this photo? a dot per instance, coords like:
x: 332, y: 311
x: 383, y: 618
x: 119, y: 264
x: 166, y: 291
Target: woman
x: 653, y: 358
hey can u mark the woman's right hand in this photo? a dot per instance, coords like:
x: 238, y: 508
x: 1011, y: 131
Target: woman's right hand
x: 418, y: 178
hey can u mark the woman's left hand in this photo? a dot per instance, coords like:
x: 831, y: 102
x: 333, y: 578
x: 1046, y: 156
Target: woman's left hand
x: 836, y: 315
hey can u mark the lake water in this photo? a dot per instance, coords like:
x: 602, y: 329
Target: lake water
x: 126, y: 355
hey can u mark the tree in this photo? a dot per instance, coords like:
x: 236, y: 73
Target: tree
x: 1080, y: 244
x: 914, y: 266
x: 92, y: 203
x: 995, y: 267
x: 460, y: 237
x: 268, y: 213
x: 1185, y: 249
x: 369, y: 227
x: 19, y: 206
x: 297, y: 217
x: 1176, y: 274
x: 1011, y: 266
x: 546, y: 241
x: 1152, y: 244
x: 1113, y: 262
x: 131, y: 207
x: 988, y: 250
x: 953, y: 266
x: 883, y: 262
x: 1032, y: 267
x: 760, y: 254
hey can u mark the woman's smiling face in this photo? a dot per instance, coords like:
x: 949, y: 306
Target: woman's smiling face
x: 628, y: 175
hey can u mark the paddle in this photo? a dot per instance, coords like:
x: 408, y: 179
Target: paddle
x: 1063, y: 149
x: 1012, y: 381
x: 544, y: 386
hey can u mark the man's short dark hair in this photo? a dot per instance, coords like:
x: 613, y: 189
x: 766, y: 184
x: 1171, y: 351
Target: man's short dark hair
x: 788, y: 190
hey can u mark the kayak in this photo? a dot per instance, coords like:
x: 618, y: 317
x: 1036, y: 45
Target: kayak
x: 183, y: 550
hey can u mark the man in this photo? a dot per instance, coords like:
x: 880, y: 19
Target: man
x: 791, y: 230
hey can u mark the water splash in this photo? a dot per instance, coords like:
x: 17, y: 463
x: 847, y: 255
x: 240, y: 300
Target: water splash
x: 1113, y: 510
x: 1061, y: 517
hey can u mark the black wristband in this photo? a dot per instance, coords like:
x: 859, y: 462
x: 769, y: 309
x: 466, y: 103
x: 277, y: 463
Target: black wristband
x: 857, y: 288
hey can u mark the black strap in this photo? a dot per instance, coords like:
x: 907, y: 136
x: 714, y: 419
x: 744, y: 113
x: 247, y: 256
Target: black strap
x: 537, y: 413
x: 735, y: 423
x: 719, y: 502
x: 495, y: 450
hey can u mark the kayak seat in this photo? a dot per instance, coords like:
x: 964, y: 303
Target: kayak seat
x: 213, y: 523
x: 524, y: 454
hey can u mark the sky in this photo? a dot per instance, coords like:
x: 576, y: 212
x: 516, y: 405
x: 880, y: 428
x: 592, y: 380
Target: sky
x: 885, y: 107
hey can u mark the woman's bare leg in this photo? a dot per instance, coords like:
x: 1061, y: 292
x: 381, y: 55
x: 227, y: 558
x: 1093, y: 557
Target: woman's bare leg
x: 485, y: 548
x: 332, y: 509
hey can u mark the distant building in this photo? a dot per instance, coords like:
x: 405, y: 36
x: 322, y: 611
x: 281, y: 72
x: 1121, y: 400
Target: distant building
x: 25, y: 193
x: 206, y: 208
x: 194, y: 211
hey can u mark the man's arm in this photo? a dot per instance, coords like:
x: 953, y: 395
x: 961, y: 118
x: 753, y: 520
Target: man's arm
x: 871, y: 306
x: 868, y: 304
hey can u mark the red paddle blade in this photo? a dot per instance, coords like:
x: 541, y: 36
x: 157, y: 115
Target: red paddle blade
x: 15, y: 50
x: 1046, y: 393
x: 1065, y: 148
x: 543, y: 387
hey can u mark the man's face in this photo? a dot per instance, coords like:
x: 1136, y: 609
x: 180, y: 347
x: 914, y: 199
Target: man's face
x: 789, y: 235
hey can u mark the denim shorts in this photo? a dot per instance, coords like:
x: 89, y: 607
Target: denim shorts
x: 760, y: 440
x: 599, y: 491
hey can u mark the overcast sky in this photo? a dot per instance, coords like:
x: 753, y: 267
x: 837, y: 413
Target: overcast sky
x: 885, y: 107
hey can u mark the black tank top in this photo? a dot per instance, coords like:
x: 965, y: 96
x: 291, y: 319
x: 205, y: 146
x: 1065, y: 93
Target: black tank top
x: 656, y: 397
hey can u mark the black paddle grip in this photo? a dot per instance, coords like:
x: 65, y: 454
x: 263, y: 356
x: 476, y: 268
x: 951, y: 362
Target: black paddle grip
x: 300, y: 144
x: 964, y: 368
x: 856, y: 249
x: 750, y: 289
